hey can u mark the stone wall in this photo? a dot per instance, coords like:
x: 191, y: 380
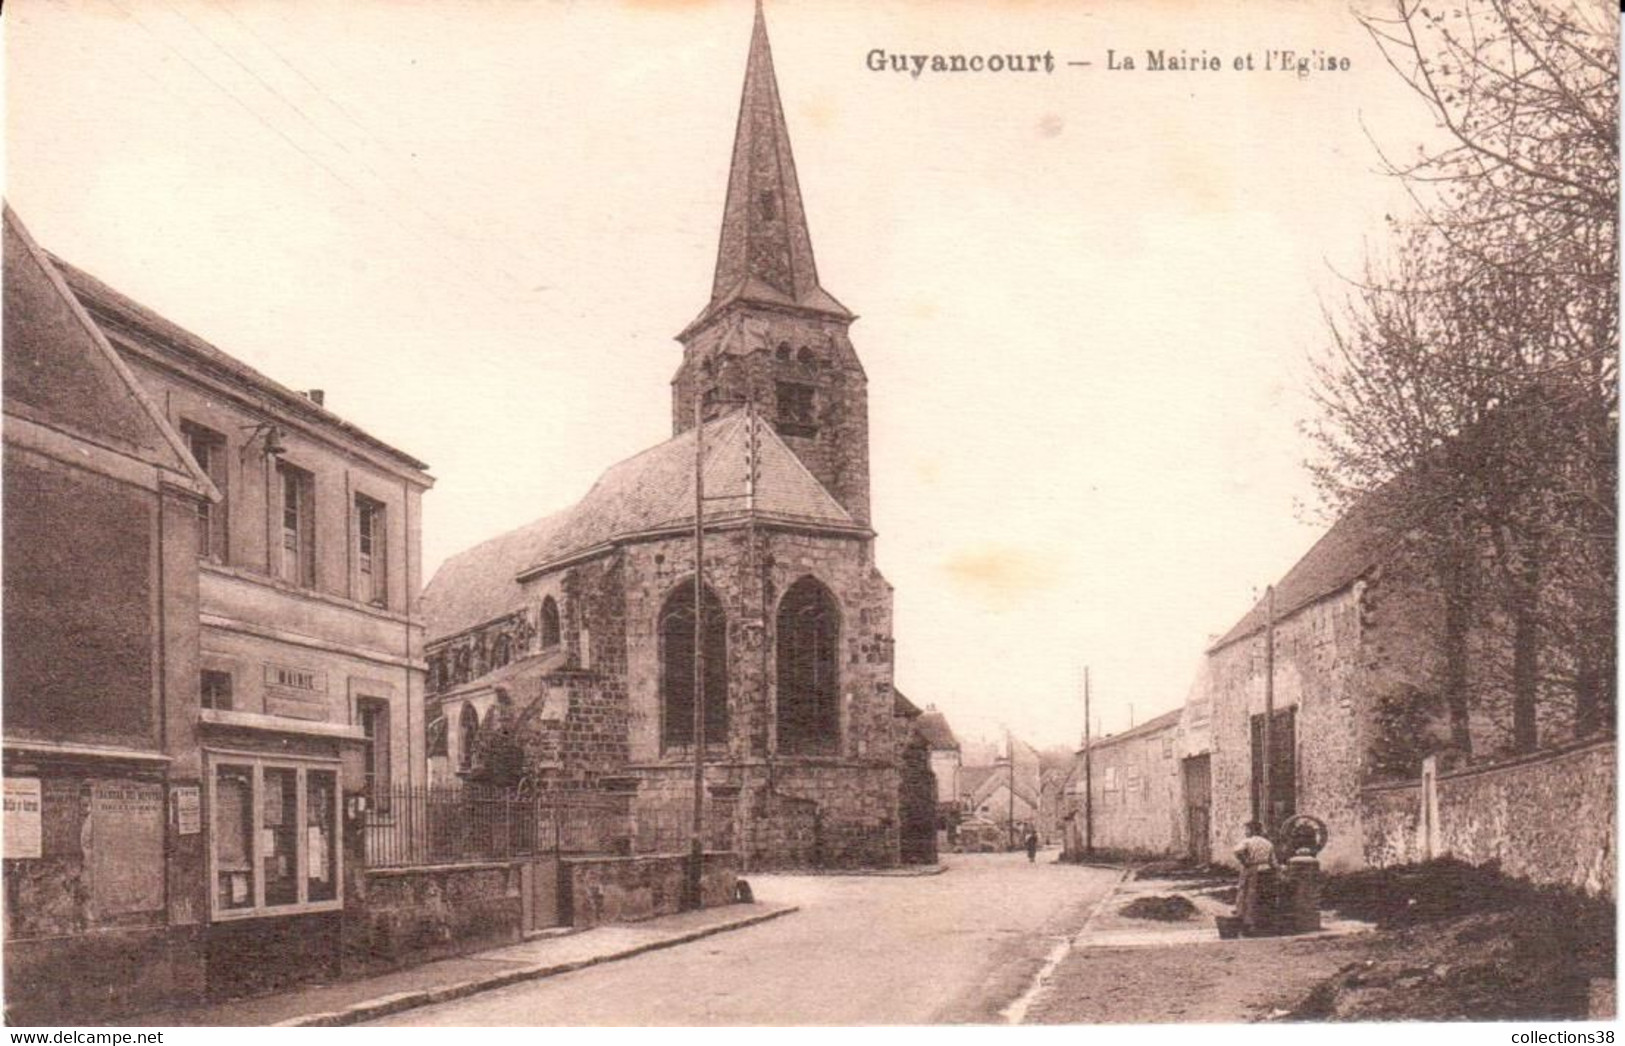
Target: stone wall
x: 413, y: 915
x: 1505, y: 813
x: 630, y: 889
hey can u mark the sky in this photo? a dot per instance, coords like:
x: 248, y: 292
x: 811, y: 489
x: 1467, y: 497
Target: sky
x: 1087, y: 297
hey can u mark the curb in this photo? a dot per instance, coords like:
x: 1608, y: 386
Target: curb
x: 876, y: 873
x: 386, y: 1005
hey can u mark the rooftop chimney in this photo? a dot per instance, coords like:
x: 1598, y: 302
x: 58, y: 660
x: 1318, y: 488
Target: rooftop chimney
x: 317, y: 396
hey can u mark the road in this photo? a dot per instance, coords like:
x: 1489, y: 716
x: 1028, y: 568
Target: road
x: 950, y: 948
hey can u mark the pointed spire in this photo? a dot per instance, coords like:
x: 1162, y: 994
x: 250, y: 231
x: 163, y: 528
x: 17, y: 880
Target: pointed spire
x: 765, y: 253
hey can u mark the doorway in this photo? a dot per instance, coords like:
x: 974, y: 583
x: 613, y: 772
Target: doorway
x: 1198, y: 779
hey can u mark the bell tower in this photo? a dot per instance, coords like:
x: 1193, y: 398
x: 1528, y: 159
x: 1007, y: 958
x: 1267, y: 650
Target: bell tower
x: 770, y: 333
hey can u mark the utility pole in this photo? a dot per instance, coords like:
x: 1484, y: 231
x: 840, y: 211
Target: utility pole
x: 1088, y: 774
x: 1010, y: 816
x: 696, y: 849
x: 1267, y: 815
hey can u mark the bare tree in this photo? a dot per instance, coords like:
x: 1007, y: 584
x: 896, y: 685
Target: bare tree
x: 1472, y: 380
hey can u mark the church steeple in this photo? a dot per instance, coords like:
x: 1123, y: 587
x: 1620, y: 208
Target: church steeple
x: 770, y: 334
x: 765, y: 255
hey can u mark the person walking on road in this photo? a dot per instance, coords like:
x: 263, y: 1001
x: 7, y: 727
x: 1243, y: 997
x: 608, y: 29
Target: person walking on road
x: 1032, y: 847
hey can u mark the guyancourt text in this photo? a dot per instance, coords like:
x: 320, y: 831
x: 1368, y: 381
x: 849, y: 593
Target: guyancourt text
x: 881, y: 60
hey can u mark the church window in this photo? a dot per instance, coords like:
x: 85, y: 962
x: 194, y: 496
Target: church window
x: 502, y: 653
x: 809, y: 716
x: 768, y: 204
x: 796, y: 416
x: 468, y: 730
x: 783, y: 351
x: 550, y: 623
x: 804, y: 355
x: 677, y: 668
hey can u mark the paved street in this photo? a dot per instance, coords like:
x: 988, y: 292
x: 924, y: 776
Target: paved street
x: 956, y: 947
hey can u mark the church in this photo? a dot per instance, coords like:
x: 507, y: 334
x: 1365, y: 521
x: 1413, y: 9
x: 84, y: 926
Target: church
x: 568, y: 655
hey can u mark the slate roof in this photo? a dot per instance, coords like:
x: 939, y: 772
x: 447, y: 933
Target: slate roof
x: 61, y: 371
x: 765, y: 255
x: 1150, y: 726
x: 648, y: 493
x: 972, y: 777
x: 108, y: 306
x: 1355, y: 543
x: 933, y: 726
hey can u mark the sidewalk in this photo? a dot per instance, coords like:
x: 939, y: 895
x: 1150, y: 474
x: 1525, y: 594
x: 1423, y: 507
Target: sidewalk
x: 351, y: 1002
x: 1111, y: 929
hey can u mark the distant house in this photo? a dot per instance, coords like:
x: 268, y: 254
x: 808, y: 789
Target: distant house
x: 1009, y: 800
x: 945, y: 756
x: 1056, y: 800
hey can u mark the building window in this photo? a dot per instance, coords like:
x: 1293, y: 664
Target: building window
x: 809, y: 713
x: 215, y: 690
x: 209, y: 451
x: 274, y: 848
x: 371, y: 541
x: 468, y: 731
x: 677, y: 668
x: 373, y: 715
x: 297, y: 516
x: 795, y: 409
x: 502, y: 651
x: 291, y: 678
x: 550, y: 623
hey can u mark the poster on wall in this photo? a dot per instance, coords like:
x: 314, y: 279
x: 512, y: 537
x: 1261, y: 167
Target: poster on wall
x: 126, y: 853
x: 188, y: 809
x: 22, y: 820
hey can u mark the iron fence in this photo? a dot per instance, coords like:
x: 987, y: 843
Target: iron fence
x: 426, y: 825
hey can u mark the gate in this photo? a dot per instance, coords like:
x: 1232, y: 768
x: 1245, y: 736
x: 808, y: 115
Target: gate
x: 1198, y: 805
x: 539, y: 894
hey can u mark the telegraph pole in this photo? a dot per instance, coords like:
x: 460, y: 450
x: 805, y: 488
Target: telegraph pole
x: 696, y: 849
x: 1010, y: 814
x: 1088, y: 774
x: 1267, y: 815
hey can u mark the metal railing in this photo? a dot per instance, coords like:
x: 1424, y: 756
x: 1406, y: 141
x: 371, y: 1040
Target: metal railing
x: 426, y: 825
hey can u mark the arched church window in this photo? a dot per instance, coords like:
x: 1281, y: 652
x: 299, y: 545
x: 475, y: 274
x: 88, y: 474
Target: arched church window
x: 783, y: 351
x: 804, y: 355
x: 550, y: 623
x: 768, y: 204
x: 468, y: 731
x: 677, y: 668
x: 503, y: 651
x: 809, y: 628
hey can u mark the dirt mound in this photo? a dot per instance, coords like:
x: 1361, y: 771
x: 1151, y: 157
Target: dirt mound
x: 1166, y: 869
x: 1167, y: 909
x: 1469, y: 945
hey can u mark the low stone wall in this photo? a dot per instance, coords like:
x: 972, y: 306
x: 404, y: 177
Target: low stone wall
x: 629, y: 889
x: 1391, y: 823
x: 100, y: 975
x: 1547, y: 818
x: 413, y: 915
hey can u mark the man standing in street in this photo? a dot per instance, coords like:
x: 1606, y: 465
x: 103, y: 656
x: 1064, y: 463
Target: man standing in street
x: 1032, y: 846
